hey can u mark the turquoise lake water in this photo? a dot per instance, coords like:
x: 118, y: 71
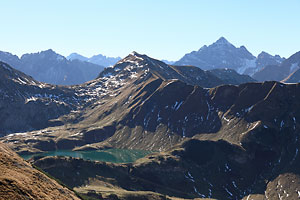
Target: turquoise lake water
x: 109, y: 155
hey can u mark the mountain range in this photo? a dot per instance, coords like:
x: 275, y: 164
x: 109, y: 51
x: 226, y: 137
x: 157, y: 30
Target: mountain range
x: 286, y: 71
x: 96, y: 59
x: 50, y: 67
x: 215, y: 133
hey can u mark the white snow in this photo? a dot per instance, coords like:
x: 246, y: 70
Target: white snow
x: 183, y: 132
x: 178, y: 105
x: 191, y: 177
x: 248, y: 109
x: 31, y: 99
x: 228, y: 192
x: 158, y: 117
x: 281, y: 124
x: 201, y: 195
x: 227, y: 168
x: 19, y: 80
x: 228, y: 120
x: 296, y: 153
x: 246, y: 64
x: 294, y: 67
x: 17, y: 134
x: 4, y: 66
x: 233, y: 183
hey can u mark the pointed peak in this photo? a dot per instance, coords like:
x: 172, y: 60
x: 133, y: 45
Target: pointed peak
x: 264, y: 53
x: 222, y: 40
x: 134, y: 53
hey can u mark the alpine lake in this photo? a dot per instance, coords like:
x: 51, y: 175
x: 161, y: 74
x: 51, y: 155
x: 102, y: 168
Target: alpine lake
x: 109, y: 155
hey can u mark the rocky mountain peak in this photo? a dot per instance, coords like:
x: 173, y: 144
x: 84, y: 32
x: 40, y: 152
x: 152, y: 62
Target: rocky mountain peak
x: 44, y: 55
x: 222, y: 41
x: 76, y: 56
x: 132, y: 64
x: 134, y: 53
x: 203, y: 48
x: 263, y: 53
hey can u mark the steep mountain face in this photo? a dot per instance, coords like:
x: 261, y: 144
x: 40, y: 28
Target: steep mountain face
x: 19, y: 180
x: 118, y: 103
x: 279, y: 72
x: 97, y: 59
x: 50, y: 67
x: 27, y: 104
x: 223, y: 54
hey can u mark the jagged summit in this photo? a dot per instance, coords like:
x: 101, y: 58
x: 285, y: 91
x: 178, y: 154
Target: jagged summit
x: 222, y: 41
x: 134, y: 53
x: 280, y: 69
x: 220, y: 54
x: 223, y: 54
x: 99, y: 59
x: 51, y: 51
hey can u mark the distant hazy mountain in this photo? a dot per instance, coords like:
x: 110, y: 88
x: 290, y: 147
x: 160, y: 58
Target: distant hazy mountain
x: 293, y: 77
x: 168, y: 62
x: 264, y: 59
x: 279, y: 72
x: 9, y: 58
x: 97, y: 59
x: 50, y: 67
x: 74, y: 56
x: 222, y: 54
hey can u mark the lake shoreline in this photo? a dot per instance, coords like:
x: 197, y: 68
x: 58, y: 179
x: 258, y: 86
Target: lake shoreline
x: 107, y: 155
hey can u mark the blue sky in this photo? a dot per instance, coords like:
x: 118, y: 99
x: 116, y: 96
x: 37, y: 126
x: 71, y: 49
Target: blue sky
x: 163, y: 29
